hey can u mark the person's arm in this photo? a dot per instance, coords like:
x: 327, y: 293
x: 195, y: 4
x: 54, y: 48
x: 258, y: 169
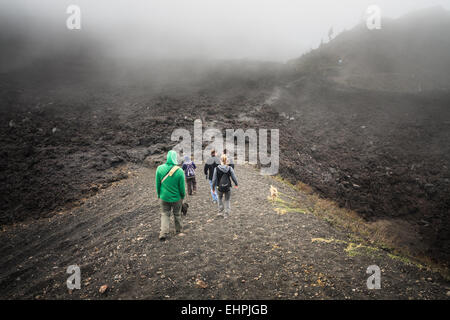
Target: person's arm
x: 195, y: 167
x: 233, y: 176
x: 158, y: 182
x: 205, y: 170
x: 181, y: 184
x: 214, y: 180
x: 184, y: 166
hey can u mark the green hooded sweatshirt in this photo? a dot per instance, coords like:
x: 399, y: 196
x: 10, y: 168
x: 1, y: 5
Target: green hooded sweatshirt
x: 173, y: 188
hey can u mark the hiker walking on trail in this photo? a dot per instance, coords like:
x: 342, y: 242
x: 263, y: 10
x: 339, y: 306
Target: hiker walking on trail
x: 189, y: 171
x: 170, y: 187
x: 211, y: 163
x: 222, y: 177
x: 230, y: 159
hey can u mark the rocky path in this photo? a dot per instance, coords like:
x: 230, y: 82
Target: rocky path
x: 265, y: 250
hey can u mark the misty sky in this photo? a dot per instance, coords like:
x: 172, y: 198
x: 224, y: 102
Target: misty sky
x: 225, y: 29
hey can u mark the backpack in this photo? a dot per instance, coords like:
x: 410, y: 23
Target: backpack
x: 190, y: 171
x: 224, y: 182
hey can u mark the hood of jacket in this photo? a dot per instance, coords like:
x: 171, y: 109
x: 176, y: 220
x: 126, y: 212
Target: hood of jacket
x: 223, y: 168
x: 172, y: 158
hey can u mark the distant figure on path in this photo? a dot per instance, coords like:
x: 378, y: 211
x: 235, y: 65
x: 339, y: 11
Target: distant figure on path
x: 221, y: 180
x: 189, y: 171
x: 211, y: 163
x: 230, y: 159
x: 170, y: 187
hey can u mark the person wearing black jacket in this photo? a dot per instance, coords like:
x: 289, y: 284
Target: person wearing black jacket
x: 211, y: 163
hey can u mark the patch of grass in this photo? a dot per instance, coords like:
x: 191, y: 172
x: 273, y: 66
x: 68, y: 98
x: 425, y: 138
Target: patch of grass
x: 405, y: 260
x: 284, y: 181
x: 304, y: 188
x: 352, y: 248
x: 368, y: 238
x: 323, y: 240
x: 284, y: 206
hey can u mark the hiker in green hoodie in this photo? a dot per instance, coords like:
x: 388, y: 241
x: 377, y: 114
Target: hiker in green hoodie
x: 170, y: 187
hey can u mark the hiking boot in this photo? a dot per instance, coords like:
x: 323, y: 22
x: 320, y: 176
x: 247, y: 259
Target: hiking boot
x: 162, y: 239
x: 220, y: 214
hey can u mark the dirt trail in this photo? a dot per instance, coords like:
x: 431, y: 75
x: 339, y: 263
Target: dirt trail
x: 257, y: 253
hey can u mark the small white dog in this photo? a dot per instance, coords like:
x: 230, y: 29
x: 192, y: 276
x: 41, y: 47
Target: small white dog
x: 273, y: 192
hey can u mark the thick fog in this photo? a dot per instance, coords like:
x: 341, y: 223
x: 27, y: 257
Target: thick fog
x: 275, y: 30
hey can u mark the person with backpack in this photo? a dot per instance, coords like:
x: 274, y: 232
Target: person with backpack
x: 230, y: 159
x: 170, y: 188
x: 211, y: 164
x: 189, y: 171
x: 223, y: 174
